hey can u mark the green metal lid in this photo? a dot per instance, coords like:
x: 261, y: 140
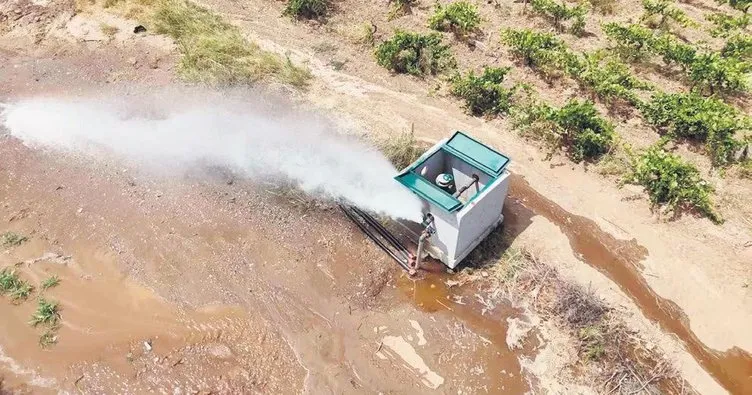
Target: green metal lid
x: 477, y: 154
x: 428, y: 191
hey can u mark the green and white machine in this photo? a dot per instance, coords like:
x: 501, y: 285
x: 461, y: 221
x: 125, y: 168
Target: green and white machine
x: 463, y: 184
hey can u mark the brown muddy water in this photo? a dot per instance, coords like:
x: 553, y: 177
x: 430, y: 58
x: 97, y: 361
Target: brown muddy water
x: 432, y: 295
x: 620, y: 261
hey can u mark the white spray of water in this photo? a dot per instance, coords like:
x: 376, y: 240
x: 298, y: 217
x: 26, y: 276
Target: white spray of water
x: 254, y: 145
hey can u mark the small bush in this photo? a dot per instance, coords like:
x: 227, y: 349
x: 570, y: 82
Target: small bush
x: 708, y: 120
x: 577, y: 127
x: 608, y: 78
x: 12, y: 239
x: 401, y: 150
x: 414, y: 53
x: 724, y: 24
x: 542, y: 51
x: 216, y: 52
x: 714, y: 73
x: 559, y: 13
x: 632, y: 41
x: 660, y: 14
x: 461, y: 18
x: 673, y: 183
x: 674, y: 51
x: 738, y: 47
x: 308, y: 9
x: 484, y: 94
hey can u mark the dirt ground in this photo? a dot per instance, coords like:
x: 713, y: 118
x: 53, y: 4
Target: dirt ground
x: 211, y: 283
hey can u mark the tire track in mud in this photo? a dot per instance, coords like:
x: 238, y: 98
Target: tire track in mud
x: 619, y: 260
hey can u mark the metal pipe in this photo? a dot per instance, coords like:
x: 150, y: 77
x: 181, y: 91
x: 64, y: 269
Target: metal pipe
x: 459, y: 192
x: 427, y: 232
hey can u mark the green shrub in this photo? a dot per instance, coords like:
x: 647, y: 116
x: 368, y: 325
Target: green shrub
x: 716, y: 73
x: 608, y: 78
x: 216, y: 52
x: 632, y: 41
x: 738, y: 47
x: 708, y: 120
x: 672, y: 182
x: 308, y: 9
x: 577, y: 127
x: 665, y: 13
x: 47, y: 313
x: 560, y: 12
x: 484, y: 94
x: 461, y: 18
x: 674, y: 51
x: 725, y: 24
x: 542, y: 51
x: 414, y: 53
x: 741, y: 5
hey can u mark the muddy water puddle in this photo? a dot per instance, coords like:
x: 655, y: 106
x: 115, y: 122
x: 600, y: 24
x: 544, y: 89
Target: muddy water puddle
x: 620, y: 261
x: 501, y: 365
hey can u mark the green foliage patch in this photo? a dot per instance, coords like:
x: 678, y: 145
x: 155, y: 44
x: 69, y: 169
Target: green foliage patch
x: 415, y: 53
x: 484, y: 94
x: 461, y: 18
x: 609, y: 78
x: 661, y: 13
x: 576, y: 127
x: 672, y: 182
x: 558, y: 13
x: 708, y: 120
x: 542, y: 51
x: 724, y: 24
x: 13, y: 286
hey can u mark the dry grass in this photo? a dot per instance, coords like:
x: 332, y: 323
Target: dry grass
x: 109, y: 30
x: 611, y: 357
x: 402, y: 150
x: 216, y: 52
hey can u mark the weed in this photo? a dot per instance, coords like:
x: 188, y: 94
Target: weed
x: 745, y: 169
x: 12, y: 239
x: 484, y: 94
x: 111, y: 3
x: 52, y: 281
x: 216, y: 52
x: 559, y: 13
x: 724, y: 24
x: 592, y: 342
x: 541, y: 51
x: 47, y: 313
x: 16, y: 288
x: 578, y: 307
x: 109, y: 30
x: 671, y: 182
x: 577, y: 127
x: 308, y: 9
x: 661, y: 13
x: 402, y: 150
x: 614, y: 163
x: 48, y: 339
x: 461, y: 18
x: 414, y: 53
x: 605, y: 7
x: 708, y: 120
